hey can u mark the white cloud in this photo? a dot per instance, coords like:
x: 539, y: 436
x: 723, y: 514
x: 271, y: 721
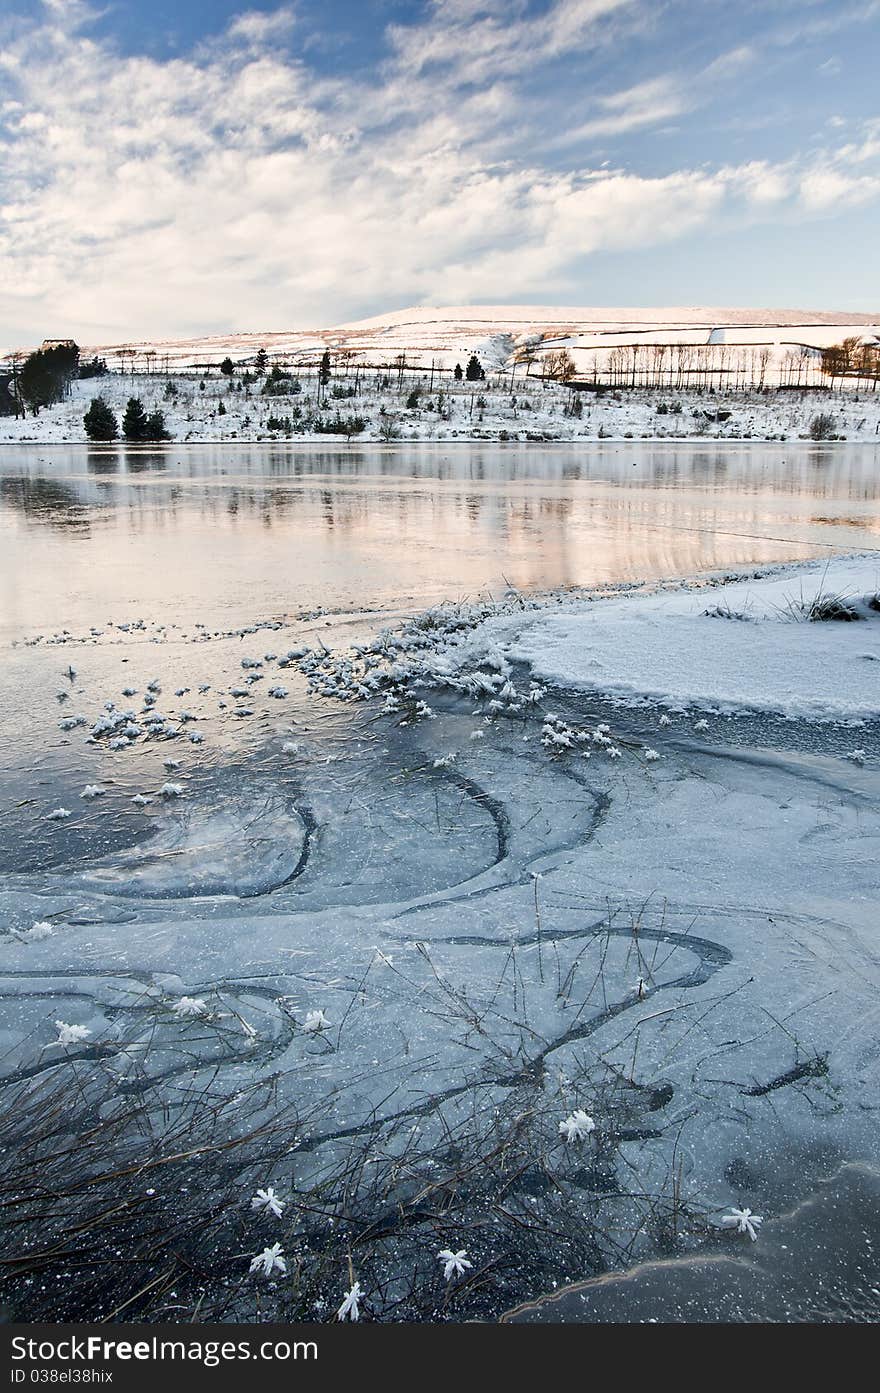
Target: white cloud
x: 662, y: 99
x: 235, y: 188
x: 260, y: 26
x: 647, y: 104
x: 473, y: 39
x: 824, y: 189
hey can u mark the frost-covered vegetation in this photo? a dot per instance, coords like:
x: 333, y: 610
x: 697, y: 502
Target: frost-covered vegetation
x: 401, y: 404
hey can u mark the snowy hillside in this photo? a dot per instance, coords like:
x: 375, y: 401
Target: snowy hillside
x: 502, y: 334
x: 387, y: 408
x: 670, y: 373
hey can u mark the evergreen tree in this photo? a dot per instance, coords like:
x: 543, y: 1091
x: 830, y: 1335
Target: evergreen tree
x: 99, y: 421
x: 134, y: 422
x: 46, y: 375
x: 261, y: 362
x: 227, y: 367
x: 325, y: 368
x: 473, y: 371
x: 155, y: 426
x: 93, y: 367
x: 458, y: 374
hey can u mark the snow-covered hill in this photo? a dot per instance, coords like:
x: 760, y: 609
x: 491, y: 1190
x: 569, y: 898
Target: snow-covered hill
x: 501, y: 334
x: 393, y: 375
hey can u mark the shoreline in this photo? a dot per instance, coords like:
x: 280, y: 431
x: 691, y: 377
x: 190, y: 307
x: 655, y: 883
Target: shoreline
x: 144, y: 447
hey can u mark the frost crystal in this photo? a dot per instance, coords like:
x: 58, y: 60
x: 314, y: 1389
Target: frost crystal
x: 268, y: 1202
x: 454, y: 1264
x: 315, y: 1020
x: 350, y: 1310
x: 190, y: 1006
x: 744, y: 1221
x: 577, y: 1126
x: 269, y: 1261
x: 70, y: 1034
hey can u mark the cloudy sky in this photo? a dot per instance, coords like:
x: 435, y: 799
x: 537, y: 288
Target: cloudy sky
x: 172, y: 167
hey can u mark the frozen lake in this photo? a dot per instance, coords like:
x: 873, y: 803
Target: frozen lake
x: 223, y: 534
x: 424, y: 923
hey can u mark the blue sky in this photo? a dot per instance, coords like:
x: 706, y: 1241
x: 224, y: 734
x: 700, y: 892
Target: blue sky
x: 203, y: 165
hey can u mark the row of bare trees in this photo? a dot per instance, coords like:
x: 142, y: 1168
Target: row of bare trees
x: 727, y: 367
x: 681, y: 366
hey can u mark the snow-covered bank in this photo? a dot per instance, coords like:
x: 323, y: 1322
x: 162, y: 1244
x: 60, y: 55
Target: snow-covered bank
x: 801, y: 641
x: 420, y: 405
x: 747, y: 644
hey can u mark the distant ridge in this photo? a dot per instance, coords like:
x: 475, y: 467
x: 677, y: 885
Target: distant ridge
x: 606, y: 316
x: 444, y: 335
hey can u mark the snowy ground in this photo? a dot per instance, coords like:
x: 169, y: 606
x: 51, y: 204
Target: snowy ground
x: 748, y: 644
x: 439, y: 908
x: 522, y: 408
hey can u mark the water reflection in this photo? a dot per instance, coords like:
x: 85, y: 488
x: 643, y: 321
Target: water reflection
x: 142, y: 462
x: 39, y: 499
x: 227, y: 530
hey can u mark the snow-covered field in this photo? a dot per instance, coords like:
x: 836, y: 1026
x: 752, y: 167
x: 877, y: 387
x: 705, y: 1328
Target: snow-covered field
x: 527, y: 410
x: 501, y: 334
x: 531, y: 974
